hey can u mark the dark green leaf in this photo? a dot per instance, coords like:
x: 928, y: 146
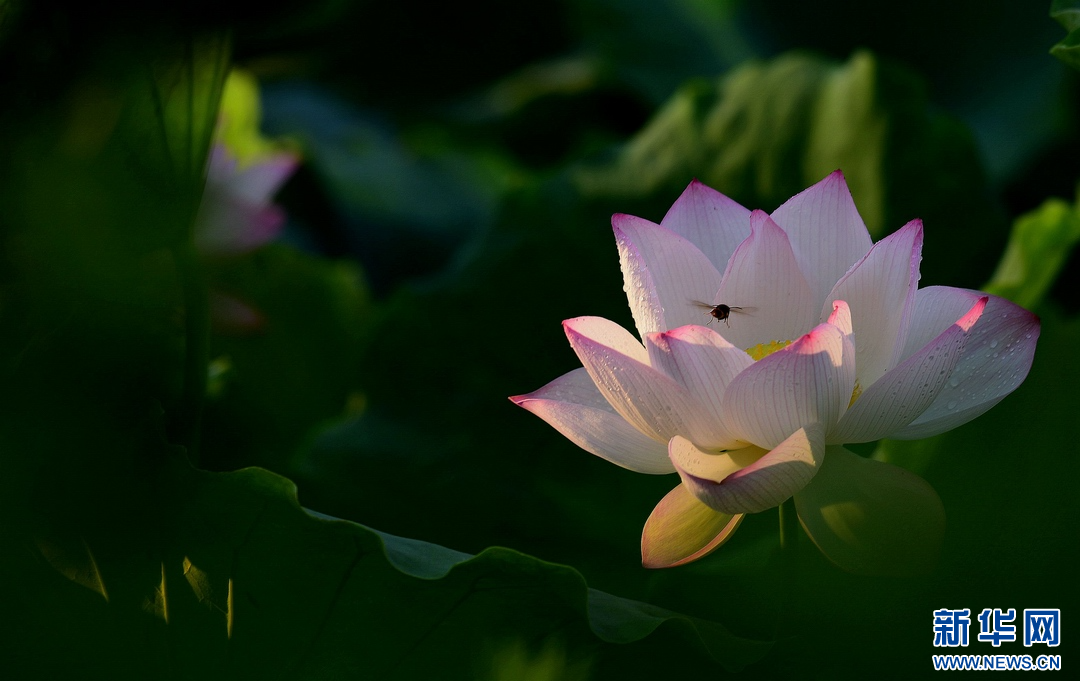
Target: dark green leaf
x: 768, y: 130
x: 653, y: 45
x: 1067, y: 13
x: 1038, y: 248
x: 1068, y: 50
x: 296, y: 369
x: 237, y: 581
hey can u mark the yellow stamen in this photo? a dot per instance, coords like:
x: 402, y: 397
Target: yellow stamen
x: 855, y: 393
x: 762, y: 350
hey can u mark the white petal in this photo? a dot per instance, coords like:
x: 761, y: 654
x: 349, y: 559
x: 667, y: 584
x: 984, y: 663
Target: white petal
x: 763, y: 275
x: 700, y: 360
x: 995, y: 361
x: 709, y: 220
x: 880, y: 290
x: 647, y: 398
x: 663, y: 274
x: 841, y: 319
x: 766, y: 483
x: 711, y: 465
x: 806, y: 382
x: 222, y: 165
x: 826, y: 233
x: 907, y: 390
x: 574, y: 407
x: 259, y: 181
x: 871, y: 517
x: 229, y: 225
x: 936, y: 308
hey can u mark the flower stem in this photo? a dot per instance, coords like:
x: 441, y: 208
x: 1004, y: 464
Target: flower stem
x: 789, y: 530
x: 789, y: 564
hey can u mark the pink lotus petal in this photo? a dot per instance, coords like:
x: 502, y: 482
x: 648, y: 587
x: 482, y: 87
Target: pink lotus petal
x: 574, y: 407
x: 236, y: 215
x: 764, y: 484
x: 763, y: 275
x: 662, y: 273
x: 806, y: 382
x: 266, y: 225
x: 880, y: 291
x: 647, y: 398
x: 708, y: 464
x: 936, y: 308
x: 826, y: 233
x: 259, y: 181
x: 906, y: 391
x: 995, y: 361
x: 871, y: 517
x: 221, y: 165
x: 228, y: 225
x: 681, y: 529
x: 841, y: 319
x: 700, y: 360
x: 709, y: 220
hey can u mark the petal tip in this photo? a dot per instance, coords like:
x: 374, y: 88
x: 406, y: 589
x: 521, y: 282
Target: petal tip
x: 836, y: 178
x: 652, y: 562
x: 760, y: 222
x: 973, y: 315
x: 841, y: 316
x: 569, y: 327
x: 916, y: 226
x: 684, y: 332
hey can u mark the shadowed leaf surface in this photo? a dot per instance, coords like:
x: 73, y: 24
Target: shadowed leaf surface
x: 239, y: 581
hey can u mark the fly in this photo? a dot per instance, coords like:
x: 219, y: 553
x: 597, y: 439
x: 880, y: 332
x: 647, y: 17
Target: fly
x: 721, y: 312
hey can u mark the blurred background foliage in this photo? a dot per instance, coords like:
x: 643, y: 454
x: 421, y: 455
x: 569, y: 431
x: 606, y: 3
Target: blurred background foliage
x: 459, y: 167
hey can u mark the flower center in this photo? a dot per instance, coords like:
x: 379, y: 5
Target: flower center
x: 855, y: 392
x: 762, y: 350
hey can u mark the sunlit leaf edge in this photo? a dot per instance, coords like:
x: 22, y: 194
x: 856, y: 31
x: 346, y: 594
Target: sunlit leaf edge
x: 611, y: 618
x: 1067, y: 13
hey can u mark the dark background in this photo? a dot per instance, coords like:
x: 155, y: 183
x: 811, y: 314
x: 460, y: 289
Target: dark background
x: 460, y: 166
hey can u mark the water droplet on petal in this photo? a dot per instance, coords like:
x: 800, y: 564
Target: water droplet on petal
x: 954, y: 381
x: 993, y: 344
x: 951, y: 404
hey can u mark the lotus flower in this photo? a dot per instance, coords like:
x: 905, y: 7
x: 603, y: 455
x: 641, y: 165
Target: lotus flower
x: 235, y: 217
x: 811, y: 338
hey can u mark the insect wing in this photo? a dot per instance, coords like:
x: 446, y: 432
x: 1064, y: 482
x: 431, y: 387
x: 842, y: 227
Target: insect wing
x: 721, y: 311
